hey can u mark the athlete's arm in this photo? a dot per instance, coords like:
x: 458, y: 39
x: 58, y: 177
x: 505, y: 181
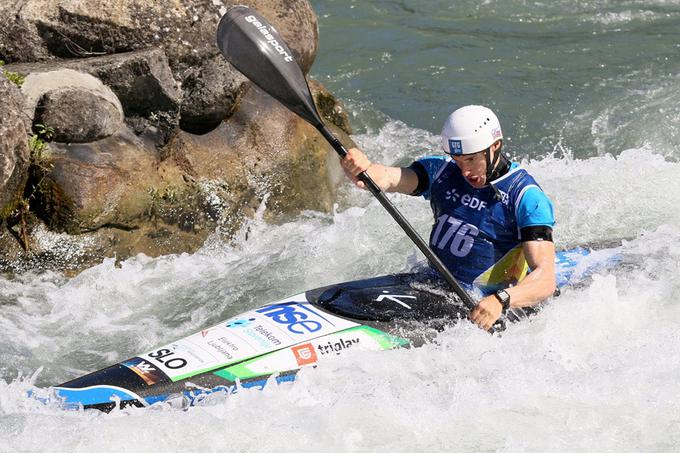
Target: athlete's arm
x: 535, y: 217
x: 540, y: 283
x: 389, y: 179
x: 537, y: 286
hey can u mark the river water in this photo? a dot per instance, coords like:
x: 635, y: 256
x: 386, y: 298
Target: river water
x: 589, y: 96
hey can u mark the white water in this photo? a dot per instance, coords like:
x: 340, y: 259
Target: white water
x: 597, y: 370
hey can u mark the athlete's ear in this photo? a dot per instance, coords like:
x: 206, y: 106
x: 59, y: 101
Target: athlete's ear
x: 497, y: 145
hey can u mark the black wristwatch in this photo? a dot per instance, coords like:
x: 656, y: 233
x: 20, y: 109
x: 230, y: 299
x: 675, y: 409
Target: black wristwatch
x: 504, y: 298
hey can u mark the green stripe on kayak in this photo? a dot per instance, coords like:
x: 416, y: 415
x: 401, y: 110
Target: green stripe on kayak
x: 243, y: 371
x: 385, y: 340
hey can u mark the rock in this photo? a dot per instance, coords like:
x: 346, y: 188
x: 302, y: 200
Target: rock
x: 329, y: 107
x: 121, y: 196
x: 70, y: 254
x: 265, y: 149
x: 36, y: 30
x: 107, y: 182
x: 120, y: 183
x: 212, y: 93
x: 20, y: 39
x: 14, y: 151
x: 142, y: 81
x: 78, y: 116
x: 122, y: 178
x: 94, y: 111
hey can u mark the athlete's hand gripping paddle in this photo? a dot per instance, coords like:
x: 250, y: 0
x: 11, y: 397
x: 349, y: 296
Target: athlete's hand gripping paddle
x: 255, y: 48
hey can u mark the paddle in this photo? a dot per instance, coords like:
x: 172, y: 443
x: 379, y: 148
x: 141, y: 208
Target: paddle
x: 255, y: 48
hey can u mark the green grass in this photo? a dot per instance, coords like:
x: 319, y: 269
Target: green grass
x: 13, y: 77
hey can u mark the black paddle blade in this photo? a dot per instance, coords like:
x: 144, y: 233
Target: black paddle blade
x: 255, y: 48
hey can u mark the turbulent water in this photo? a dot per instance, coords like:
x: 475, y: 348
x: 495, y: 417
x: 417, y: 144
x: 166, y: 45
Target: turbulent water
x: 588, y: 95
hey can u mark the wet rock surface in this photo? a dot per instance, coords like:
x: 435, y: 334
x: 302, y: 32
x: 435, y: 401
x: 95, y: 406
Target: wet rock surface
x: 141, y: 80
x: 39, y: 30
x: 156, y: 142
x: 14, y: 151
x: 79, y: 116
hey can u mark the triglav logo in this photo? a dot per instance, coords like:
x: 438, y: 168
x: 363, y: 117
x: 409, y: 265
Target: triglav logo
x: 304, y: 354
x: 338, y: 346
x: 270, y: 39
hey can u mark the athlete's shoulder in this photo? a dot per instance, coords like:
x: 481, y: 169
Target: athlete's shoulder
x: 428, y: 169
x: 516, y: 181
x: 433, y: 164
x: 535, y: 209
x: 532, y: 206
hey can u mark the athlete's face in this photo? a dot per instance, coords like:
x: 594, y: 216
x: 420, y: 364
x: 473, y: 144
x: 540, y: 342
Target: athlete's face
x: 473, y: 167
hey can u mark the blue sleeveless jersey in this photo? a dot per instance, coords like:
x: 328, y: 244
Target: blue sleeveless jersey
x: 475, y: 234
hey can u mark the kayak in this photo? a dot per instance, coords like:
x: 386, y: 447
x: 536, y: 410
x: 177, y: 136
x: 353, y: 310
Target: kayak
x: 273, y: 342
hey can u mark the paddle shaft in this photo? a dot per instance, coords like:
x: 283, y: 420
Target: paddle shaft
x: 256, y: 49
x: 401, y: 220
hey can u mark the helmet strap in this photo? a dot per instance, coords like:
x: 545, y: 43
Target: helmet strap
x: 494, y: 170
x: 491, y: 166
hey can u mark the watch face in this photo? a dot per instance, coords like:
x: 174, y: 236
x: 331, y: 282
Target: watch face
x: 504, y: 298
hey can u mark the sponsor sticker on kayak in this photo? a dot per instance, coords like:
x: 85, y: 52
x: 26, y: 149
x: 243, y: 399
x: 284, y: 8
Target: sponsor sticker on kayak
x: 304, y: 354
x: 145, y: 370
x: 360, y: 338
x: 251, y: 334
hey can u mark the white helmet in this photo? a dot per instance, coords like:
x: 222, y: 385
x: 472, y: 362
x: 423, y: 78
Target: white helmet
x: 469, y: 130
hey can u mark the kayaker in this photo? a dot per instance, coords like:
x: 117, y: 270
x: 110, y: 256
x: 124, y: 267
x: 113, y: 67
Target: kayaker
x: 492, y: 220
